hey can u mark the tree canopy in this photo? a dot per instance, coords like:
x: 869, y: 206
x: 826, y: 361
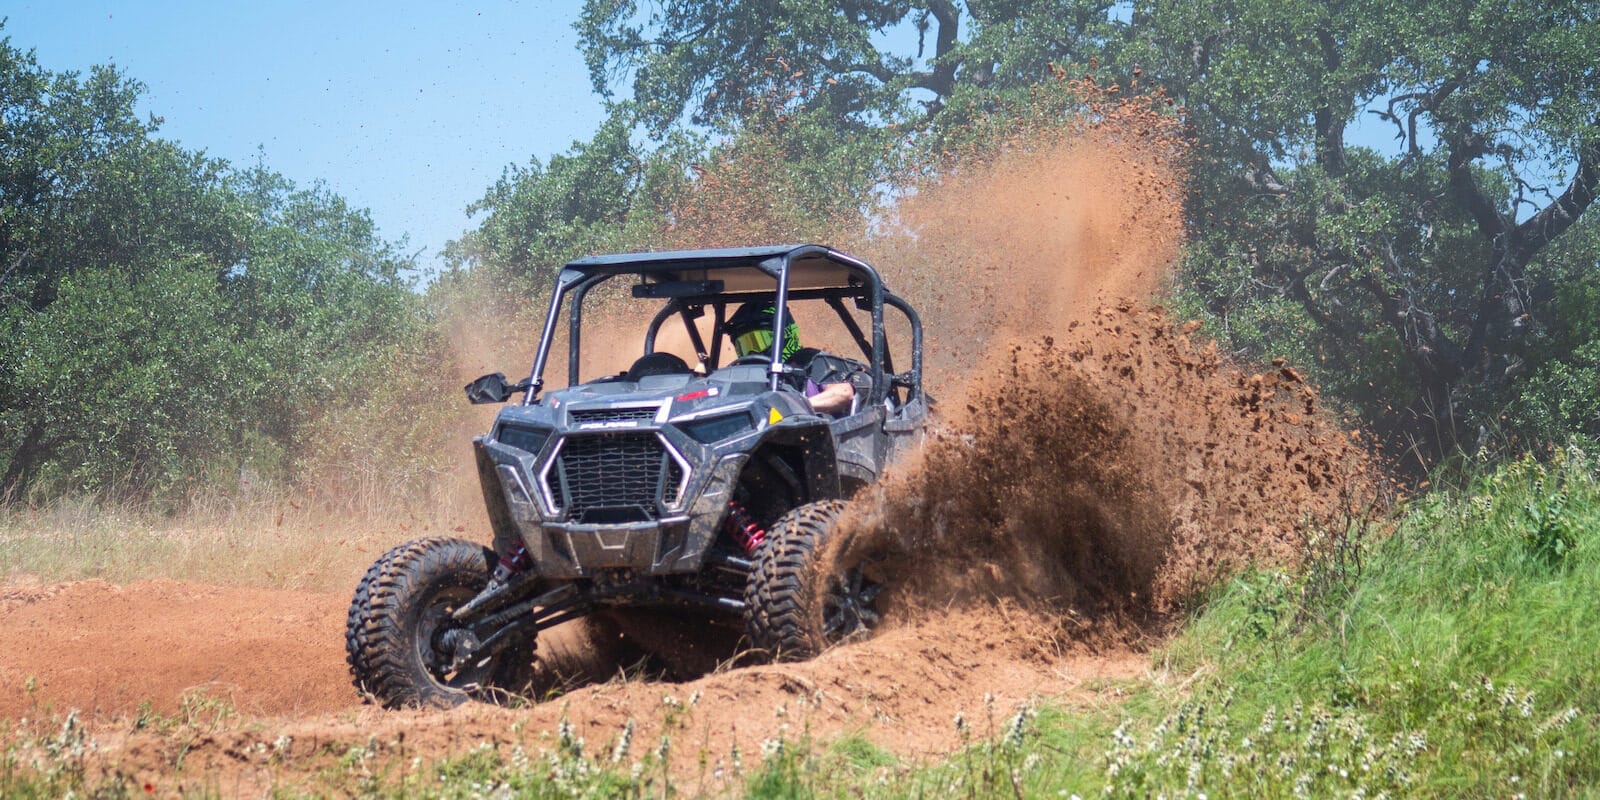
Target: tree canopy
x: 1400, y: 195
x: 1422, y: 271
x: 863, y: 62
x: 168, y: 316
x: 1418, y: 273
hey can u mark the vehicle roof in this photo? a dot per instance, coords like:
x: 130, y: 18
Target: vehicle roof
x: 741, y: 269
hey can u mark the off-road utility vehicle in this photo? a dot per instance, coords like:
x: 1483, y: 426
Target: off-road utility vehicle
x: 707, y: 488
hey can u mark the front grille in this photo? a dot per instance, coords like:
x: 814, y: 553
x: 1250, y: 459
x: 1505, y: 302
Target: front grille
x: 673, y: 481
x: 612, y: 477
x: 582, y: 415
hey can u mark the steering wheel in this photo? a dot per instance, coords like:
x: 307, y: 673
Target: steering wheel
x: 752, y: 358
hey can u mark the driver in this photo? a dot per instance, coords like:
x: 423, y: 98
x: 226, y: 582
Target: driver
x: 828, y: 378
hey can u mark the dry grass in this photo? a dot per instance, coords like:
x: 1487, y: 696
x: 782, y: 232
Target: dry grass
x: 270, y: 537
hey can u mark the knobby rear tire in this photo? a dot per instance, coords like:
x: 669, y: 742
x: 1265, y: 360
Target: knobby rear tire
x: 787, y: 601
x: 399, y: 604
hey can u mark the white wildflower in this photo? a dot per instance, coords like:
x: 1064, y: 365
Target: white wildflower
x: 1013, y: 737
x: 624, y: 742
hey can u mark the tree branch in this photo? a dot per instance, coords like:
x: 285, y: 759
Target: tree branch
x: 1425, y: 102
x: 1463, y: 151
x: 943, y: 78
x: 1330, y: 120
x: 1503, y: 299
x: 1298, y: 290
x: 1538, y: 230
x: 17, y: 260
x: 878, y: 71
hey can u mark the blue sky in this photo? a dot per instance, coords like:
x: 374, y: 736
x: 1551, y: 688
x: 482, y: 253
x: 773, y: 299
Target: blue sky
x: 409, y: 109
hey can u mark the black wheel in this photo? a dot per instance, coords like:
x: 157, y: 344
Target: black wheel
x: 398, y: 637
x: 794, y: 612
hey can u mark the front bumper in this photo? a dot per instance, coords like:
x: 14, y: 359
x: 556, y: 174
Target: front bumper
x: 565, y: 549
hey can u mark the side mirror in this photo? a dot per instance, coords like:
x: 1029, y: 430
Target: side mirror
x: 492, y: 388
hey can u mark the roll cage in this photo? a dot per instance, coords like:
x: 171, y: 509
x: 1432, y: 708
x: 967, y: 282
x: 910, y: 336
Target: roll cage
x: 692, y: 280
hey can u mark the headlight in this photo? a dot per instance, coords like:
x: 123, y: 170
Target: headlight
x: 528, y: 440
x: 715, y: 429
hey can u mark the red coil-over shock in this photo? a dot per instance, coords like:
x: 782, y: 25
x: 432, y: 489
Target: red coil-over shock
x: 743, y: 527
x: 510, y: 564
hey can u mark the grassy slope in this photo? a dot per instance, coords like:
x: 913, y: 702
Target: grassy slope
x: 1459, y: 660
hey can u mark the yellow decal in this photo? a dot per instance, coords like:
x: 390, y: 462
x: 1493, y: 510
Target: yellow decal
x: 773, y: 417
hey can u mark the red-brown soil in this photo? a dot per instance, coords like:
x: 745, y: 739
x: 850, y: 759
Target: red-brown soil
x: 1105, y: 477
x: 277, y: 658
x: 108, y: 649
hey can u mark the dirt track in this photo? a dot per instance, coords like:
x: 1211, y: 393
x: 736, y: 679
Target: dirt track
x: 106, y: 649
x: 277, y: 657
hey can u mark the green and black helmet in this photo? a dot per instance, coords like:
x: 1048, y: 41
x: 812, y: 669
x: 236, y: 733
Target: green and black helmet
x: 750, y: 328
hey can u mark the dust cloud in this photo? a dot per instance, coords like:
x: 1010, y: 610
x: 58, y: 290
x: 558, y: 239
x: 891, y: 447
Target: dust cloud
x: 1093, y: 457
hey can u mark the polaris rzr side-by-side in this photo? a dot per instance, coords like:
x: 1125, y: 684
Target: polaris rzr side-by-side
x: 706, y: 488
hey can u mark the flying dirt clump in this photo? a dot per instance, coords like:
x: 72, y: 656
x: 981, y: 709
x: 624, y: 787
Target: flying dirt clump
x: 1111, y: 472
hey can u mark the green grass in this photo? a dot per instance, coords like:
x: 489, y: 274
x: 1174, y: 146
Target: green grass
x: 1460, y: 661
x: 1452, y: 658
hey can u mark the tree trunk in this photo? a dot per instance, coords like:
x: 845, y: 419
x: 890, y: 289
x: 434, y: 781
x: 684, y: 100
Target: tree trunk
x: 24, y: 460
